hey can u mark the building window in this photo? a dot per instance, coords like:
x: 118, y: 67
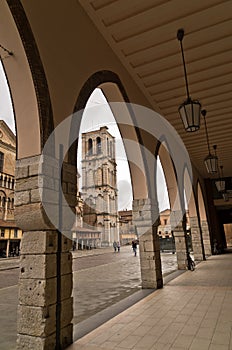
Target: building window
x: 15, y: 233
x: 165, y: 221
x: 1, y: 161
x: 98, y: 145
x: 2, y: 233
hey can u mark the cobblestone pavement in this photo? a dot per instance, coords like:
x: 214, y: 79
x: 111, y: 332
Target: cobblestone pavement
x: 101, y: 278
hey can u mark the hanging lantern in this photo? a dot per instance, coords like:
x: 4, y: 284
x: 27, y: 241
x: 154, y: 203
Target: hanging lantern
x: 190, y: 111
x: 220, y: 183
x: 211, y: 161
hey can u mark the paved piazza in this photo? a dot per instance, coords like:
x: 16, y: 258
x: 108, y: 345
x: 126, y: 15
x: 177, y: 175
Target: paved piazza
x: 101, y: 279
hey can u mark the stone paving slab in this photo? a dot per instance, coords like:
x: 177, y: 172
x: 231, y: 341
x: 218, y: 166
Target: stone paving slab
x: 193, y: 311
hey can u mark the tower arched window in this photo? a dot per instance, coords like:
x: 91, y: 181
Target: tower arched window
x: 90, y: 146
x: 99, y: 145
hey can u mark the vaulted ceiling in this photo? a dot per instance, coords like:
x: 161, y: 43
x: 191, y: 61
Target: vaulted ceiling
x: 143, y: 35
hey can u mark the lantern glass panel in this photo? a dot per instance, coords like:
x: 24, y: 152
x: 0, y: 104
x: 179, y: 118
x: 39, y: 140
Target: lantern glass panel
x: 190, y: 115
x: 211, y: 163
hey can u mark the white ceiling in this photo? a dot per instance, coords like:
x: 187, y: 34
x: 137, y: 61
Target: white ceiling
x: 143, y: 35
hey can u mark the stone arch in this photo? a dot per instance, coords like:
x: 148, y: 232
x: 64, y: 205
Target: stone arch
x: 11, y: 200
x: 194, y: 218
x: 2, y: 195
x: 170, y: 176
x: 114, y: 91
x: 37, y: 111
x: 34, y: 124
x: 175, y: 187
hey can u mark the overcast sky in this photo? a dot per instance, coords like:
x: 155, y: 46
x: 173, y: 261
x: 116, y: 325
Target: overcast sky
x: 92, y: 120
x: 6, y: 111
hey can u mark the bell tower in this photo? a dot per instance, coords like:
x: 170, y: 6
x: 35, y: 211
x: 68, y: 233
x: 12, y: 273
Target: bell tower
x: 99, y: 184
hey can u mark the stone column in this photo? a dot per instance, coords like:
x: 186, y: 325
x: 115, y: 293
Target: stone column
x: 180, y: 243
x: 94, y: 146
x: 39, y: 307
x: 206, y: 237
x: 146, y: 221
x: 196, y: 239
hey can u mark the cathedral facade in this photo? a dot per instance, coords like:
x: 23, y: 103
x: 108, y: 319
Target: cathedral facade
x: 99, y: 184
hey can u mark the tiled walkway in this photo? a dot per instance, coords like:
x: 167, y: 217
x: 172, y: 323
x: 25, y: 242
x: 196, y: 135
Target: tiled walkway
x: 193, y: 311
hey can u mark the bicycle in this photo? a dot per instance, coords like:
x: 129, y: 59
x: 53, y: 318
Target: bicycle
x: 190, y: 263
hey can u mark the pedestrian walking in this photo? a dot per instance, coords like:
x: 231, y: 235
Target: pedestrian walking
x: 118, y: 246
x: 115, y: 246
x: 134, y: 247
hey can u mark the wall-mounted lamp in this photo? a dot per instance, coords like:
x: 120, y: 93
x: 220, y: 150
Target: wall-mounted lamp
x: 189, y: 110
x: 211, y: 161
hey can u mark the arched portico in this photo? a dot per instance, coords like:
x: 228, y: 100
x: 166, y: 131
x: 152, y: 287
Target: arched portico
x: 143, y: 204
x: 44, y: 90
